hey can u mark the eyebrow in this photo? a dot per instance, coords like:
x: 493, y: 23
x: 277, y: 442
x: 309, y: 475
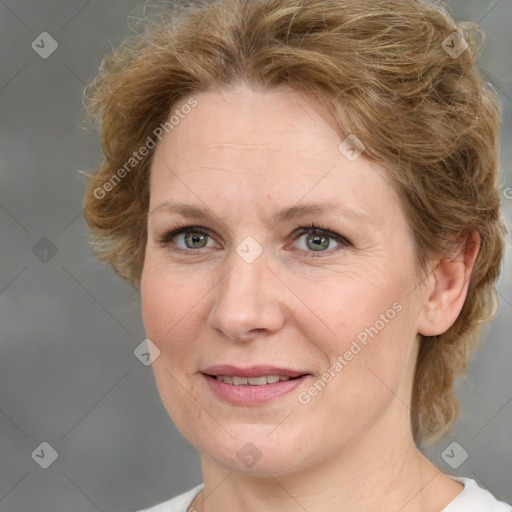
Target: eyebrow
x: 284, y: 215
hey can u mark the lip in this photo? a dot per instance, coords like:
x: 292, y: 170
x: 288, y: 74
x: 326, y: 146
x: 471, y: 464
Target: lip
x: 252, y: 395
x: 253, y: 371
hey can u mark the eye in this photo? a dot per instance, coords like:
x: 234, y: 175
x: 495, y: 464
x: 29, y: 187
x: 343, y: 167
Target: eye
x: 194, y: 237
x: 318, y: 239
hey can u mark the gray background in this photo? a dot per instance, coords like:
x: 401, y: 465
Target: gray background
x: 69, y: 326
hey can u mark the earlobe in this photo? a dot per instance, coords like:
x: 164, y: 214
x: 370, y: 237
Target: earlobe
x: 449, y: 287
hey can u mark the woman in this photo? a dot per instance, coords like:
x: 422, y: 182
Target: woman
x: 306, y: 196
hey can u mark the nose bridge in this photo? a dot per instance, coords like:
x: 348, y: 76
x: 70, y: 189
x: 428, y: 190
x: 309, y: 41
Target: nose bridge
x: 245, y: 298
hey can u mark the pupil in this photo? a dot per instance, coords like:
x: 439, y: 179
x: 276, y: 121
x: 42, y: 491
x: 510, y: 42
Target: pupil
x: 195, y: 239
x: 319, y: 242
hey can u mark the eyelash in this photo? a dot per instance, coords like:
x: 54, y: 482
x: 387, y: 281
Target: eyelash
x: 166, y: 239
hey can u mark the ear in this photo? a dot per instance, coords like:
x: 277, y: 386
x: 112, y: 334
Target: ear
x: 448, y: 287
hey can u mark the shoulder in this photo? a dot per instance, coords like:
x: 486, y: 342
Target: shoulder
x: 472, y: 499
x: 178, y: 504
x: 475, y: 499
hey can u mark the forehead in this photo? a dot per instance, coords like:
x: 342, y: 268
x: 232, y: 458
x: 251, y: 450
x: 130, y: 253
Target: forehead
x: 248, y: 146
x: 229, y: 123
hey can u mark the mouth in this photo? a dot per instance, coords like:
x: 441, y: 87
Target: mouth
x: 253, y: 381
x: 252, y: 386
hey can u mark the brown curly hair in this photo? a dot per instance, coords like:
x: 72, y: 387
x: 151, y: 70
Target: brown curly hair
x: 382, y: 67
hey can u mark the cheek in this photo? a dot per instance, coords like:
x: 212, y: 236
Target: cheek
x: 374, y: 364
x: 174, y: 303
x: 164, y: 313
x: 168, y: 301
x: 368, y: 346
x: 351, y: 308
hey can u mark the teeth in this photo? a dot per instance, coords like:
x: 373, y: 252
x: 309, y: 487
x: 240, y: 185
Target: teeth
x: 257, y: 381
x: 252, y: 381
x: 226, y: 379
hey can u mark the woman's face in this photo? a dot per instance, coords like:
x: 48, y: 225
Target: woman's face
x: 257, y: 287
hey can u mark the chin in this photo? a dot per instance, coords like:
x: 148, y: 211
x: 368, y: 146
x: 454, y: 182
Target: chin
x: 256, y: 449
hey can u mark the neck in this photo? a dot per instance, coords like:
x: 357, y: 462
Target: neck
x: 381, y: 471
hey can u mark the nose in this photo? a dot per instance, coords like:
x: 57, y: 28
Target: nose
x: 248, y: 300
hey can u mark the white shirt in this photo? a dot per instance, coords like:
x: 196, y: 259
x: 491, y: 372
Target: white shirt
x: 472, y: 499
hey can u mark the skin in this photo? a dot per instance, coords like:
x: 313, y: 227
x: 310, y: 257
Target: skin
x: 245, y: 154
